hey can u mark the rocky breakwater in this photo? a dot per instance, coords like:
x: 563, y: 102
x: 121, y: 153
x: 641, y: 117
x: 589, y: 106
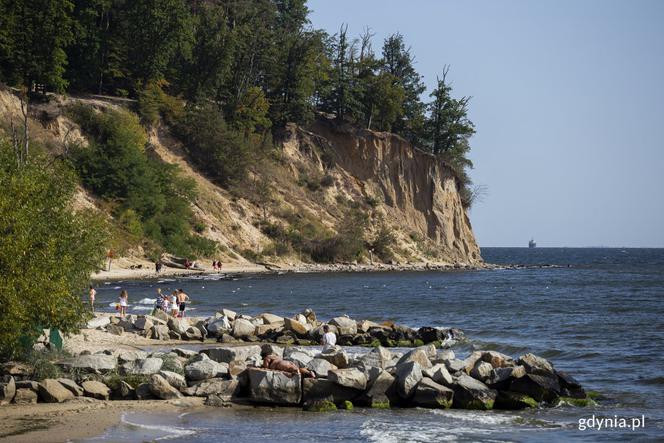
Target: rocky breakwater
x: 302, y: 329
x: 424, y: 377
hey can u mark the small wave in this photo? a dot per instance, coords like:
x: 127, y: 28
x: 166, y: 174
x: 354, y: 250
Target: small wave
x: 142, y: 308
x: 477, y: 417
x: 170, y: 431
x: 147, y: 301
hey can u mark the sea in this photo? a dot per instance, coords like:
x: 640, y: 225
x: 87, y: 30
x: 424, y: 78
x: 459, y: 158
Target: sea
x: 597, y: 313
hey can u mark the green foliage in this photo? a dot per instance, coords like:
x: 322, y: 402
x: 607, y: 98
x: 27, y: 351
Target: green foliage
x: 154, y: 103
x: 44, y: 363
x: 47, y: 252
x: 383, y: 243
x: 151, y: 197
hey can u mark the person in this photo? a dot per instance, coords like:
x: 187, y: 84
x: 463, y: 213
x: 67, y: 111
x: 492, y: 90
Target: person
x: 329, y: 338
x: 183, y: 298
x: 174, y: 303
x: 159, y: 302
x: 124, y: 302
x: 92, y: 293
x: 165, y: 303
x: 276, y: 363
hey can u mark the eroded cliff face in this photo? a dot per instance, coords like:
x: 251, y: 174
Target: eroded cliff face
x: 408, y: 190
x: 418, y: 193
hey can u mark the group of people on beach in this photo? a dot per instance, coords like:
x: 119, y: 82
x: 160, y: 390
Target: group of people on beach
x: 216, y: 265
x: 174, y: 304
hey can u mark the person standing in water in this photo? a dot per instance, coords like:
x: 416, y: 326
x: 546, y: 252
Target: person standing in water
x: 183, y: 298
x: 174, y: 303
x: 92, y: 293
x: 124, y: 302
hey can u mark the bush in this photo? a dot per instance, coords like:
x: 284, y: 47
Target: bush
x: 47, y: 251
x: 327, y: 181
x: 154, y: 103
x: 383, y: 243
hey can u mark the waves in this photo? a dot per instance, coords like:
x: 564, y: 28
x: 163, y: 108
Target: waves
x: 169, y: 432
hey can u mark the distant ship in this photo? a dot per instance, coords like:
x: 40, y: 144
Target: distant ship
x: 532, y: 244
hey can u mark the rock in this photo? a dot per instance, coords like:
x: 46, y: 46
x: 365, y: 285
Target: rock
x: 143, y: 324
x: 382, y: 391
x: 514, y: 401
x: 219, y: 326
x: 298, y: 356
x: 193, y: 333
x: 439, y: 374
x: 497, y: 359
x: 271, y: 318
x: 321, y: 388
x: 214, y: 386
x: 98, y: 322
x: 147, y: 366
x: 236, y: 368
x: 455, y: 365
x: 365, y: 325
x: 115, y: 329
x: 430, y: 394
x: 124, y: 391
x: 143, y: 392
x: 72, y: 386
x: 205, y: 369
x: 51, y: 391
x: 349, y: 377
x: 471, y: 360
x: 7, y: 391
x: 472, y: 394
x: 174, y: 379
x: 160, y: 388
x: 178, y: 325
x: 16, y: 369
x: 160, y: 332
x: 535, y: 364
x: 25, y: 396
x: 271, y: 328
x: 408, y: 375
x: 443, y: 355
x: 569, y: 386
x: 301, y: 318
x: 501, y: 377
x: 161, y: 316
x: 298, y: 327
x: 127, y: 356
x: 274, y: 387
x: 285, y: 340
x: 539, y: 387
x: 226, y: 354
x: 27, y: 384
x: 96, y: 389
x: 320, y: 367
x: 336, y: 356
x: 186, y: 353
x: 271, y: 349
x: 428, y: 334
x: 379, y: 357
x: 96, y: 363
x: 345, y: 325
x: 417, y: 355
x: 231, y: 315
x: 242, y: 328
x: 481, y: 371
x: 319, y: 405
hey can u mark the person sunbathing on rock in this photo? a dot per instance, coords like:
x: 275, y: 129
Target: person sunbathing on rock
x: 278, y: 364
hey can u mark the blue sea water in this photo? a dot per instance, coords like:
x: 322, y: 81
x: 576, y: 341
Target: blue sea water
x: 598, y: 314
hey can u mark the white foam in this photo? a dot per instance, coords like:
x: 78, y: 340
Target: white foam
x: 170, y: 431
x: 142, y: 308
x: 147, y: 301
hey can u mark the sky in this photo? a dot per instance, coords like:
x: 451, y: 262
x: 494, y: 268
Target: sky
x: 568, y: 103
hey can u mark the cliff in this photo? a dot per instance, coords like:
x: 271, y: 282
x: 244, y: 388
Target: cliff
x: 315, y: 175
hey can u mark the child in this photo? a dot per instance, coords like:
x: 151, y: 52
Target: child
x: 124, y: 302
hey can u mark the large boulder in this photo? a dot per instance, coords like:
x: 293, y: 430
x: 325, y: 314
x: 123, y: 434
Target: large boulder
x: 320, y: 367
x: 143, y: 392
x: 219, y: 326
x: 185, y: 353
x: 161, y: 316
x: 299, y: 356
x: 274, y: 387
x: 226, y: 354
x: 243, y: 328
x: 408, y: 375
x: 345, y: 325
x: 514, y: 400
x: 296, y: 326
x: 147, y: 366
x: 349, y: 377
x: 160, y: 332
x: 269, y: 329
x: 178, y: 325
x: 455, y: 365
x: 204, y: 369
x: 193, y: 333
x: 271, y: 318
x: 418, y: 355
x: 51, y: 391
x: 382, y: 391
x: 143, y: 324
x: 500, y: 378
x: 231, y: 315
x: 214, y: 386
x: 123, y: 391
x: 336, y: 356
x: 540, y: 387
x: 472, y: 394
x: 321, y: 388
x: 535, y: 364
x: 428, y: 334
x: 174, y: 379
x: 569, y: 386
x: 439, y: 374
x: 7, y: 391
x: 379, y: 357
x: 72, y: 386
x: 481, y: 371
x: 160, y: 388
x: 97, y: 363
x: 497, y: 359
x: 16, y: 369
x: 127, y: 356
x: 429, y: 394
x: 96, y: 389
x: 25, y: 396
x: 272, y: 349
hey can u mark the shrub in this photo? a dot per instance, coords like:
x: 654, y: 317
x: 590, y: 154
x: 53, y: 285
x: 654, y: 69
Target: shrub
x: 327, y: 181
x: 47, y: 251
x: 383, y: 243
x: 154, y: 103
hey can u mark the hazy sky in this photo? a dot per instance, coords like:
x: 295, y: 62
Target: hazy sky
x: 568, y: 102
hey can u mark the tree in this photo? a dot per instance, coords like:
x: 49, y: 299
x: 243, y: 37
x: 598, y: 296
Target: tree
x: 399, y: 62
x: 47, y: 251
